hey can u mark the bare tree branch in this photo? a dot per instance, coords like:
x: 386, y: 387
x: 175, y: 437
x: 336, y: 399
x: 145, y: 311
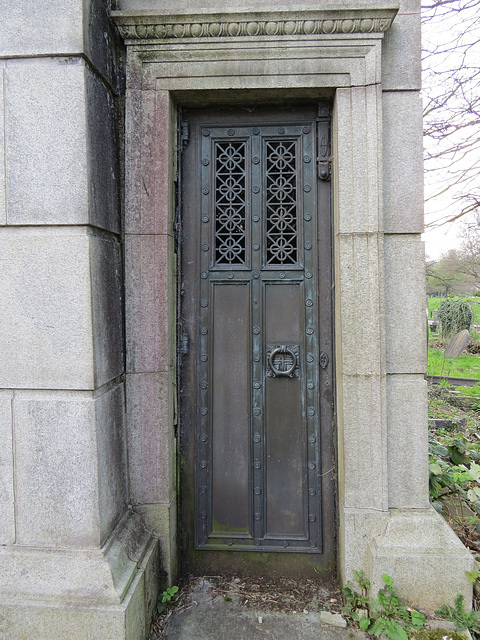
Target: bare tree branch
x: 451, y: 78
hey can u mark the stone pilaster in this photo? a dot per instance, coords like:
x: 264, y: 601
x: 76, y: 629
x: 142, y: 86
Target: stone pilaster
x: 71, y: 546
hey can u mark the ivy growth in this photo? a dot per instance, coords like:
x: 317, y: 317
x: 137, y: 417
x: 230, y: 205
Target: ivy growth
x: 454, y: 315
x: 455, y: 470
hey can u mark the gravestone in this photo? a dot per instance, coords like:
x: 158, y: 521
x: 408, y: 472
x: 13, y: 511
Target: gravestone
x: 457, y: 345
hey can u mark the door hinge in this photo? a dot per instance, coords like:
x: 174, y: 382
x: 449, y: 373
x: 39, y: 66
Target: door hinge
x: 184, y: 134
x: 184, y: 344
x: 324, y: 164
x: 177, y: 235
x: 324, y: 169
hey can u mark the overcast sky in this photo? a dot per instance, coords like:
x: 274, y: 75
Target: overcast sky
x: 436, y: 34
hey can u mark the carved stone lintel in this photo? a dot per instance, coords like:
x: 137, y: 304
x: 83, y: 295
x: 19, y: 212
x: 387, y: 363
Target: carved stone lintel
x: 134, y: 27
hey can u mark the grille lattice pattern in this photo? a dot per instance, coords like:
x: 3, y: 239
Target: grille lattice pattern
x: 230, y: 203
x: 281, y: 203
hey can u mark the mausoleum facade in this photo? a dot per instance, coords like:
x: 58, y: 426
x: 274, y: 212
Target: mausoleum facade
x: 213, y: 308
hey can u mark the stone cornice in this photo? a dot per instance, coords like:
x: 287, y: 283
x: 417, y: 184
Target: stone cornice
x: 138, y: 26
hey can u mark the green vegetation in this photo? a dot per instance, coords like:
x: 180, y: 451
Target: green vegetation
x: 385, y: 615
x: 462, y: 619
x: 382, y: 614
x: 434, y: 303
x: 434, y: 634
x: 454, y: 470
x: 454, y: 315
x: 471, y: 392
x: 466, y: 366
x: 454, y: 465
x: 166, y: 597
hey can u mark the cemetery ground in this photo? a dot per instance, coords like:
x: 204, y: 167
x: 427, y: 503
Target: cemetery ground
x: 454, y: 440
x: 296, y: 607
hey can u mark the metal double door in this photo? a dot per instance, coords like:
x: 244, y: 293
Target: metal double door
x: 255, y: 311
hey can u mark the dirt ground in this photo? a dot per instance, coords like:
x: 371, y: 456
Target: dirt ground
x: 282, y: 595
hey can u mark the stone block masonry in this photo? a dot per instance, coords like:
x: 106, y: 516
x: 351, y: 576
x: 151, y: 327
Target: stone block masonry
x: 75, y: 561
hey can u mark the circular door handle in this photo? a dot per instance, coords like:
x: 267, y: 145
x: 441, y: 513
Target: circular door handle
x: 282, y: 361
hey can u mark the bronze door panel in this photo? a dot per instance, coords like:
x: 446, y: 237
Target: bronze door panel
x: 254, y: 377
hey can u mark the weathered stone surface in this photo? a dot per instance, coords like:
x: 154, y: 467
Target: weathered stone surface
x: 457, y: 344
x: 151, y: 565
x: 47, y: 28
x: 325, y: 66
x: 95, y: 594
x: 7, y: 515
x: 151, y: 449
x: 46, y: 141
x: 161, y: 520
x: 61, y: 318
x: 73, y: 28
x: 424, y: 557
x: 149, y: 210
x: 139, y: 116
x: 56, y: 469
x: 148, y: 303
x: 335, y: 619
x: 456, y: 423
x: 359, y: 303
x: 409, y: 6
x: 22, y: 620
x: 3, y: 203
x: 358, y: 160
x: 401, y: 63
x: 61, y: 156
x: 357, y: 528
x: 102, y: 155
x: 407, y: 442
x: 69, y: 467
x: 100, y: 40
x: 405, y: 319
x: 137, y: 625
x: 107, y: 308
x: 46, y: 337
x: 362, y: 442
x: 403, y: 162
x: 216, y: 618
x: 182, y: 6
x: 111, y: 458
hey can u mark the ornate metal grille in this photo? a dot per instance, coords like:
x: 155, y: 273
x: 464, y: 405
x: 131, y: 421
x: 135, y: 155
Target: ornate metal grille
x: 230, y: 203
x: 281, y: 203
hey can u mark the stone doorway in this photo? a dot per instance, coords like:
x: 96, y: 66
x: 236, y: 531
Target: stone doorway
x: 255, y: 337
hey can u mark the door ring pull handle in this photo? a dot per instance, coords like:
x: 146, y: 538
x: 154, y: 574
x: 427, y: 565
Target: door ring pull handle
x: 282, y: 361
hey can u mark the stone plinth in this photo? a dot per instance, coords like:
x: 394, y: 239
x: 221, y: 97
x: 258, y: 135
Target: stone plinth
x: 418, y: 550
x: 108, y: 593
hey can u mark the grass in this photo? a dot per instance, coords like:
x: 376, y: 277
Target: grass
x: 473, y: 392
x: 466, y: 366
